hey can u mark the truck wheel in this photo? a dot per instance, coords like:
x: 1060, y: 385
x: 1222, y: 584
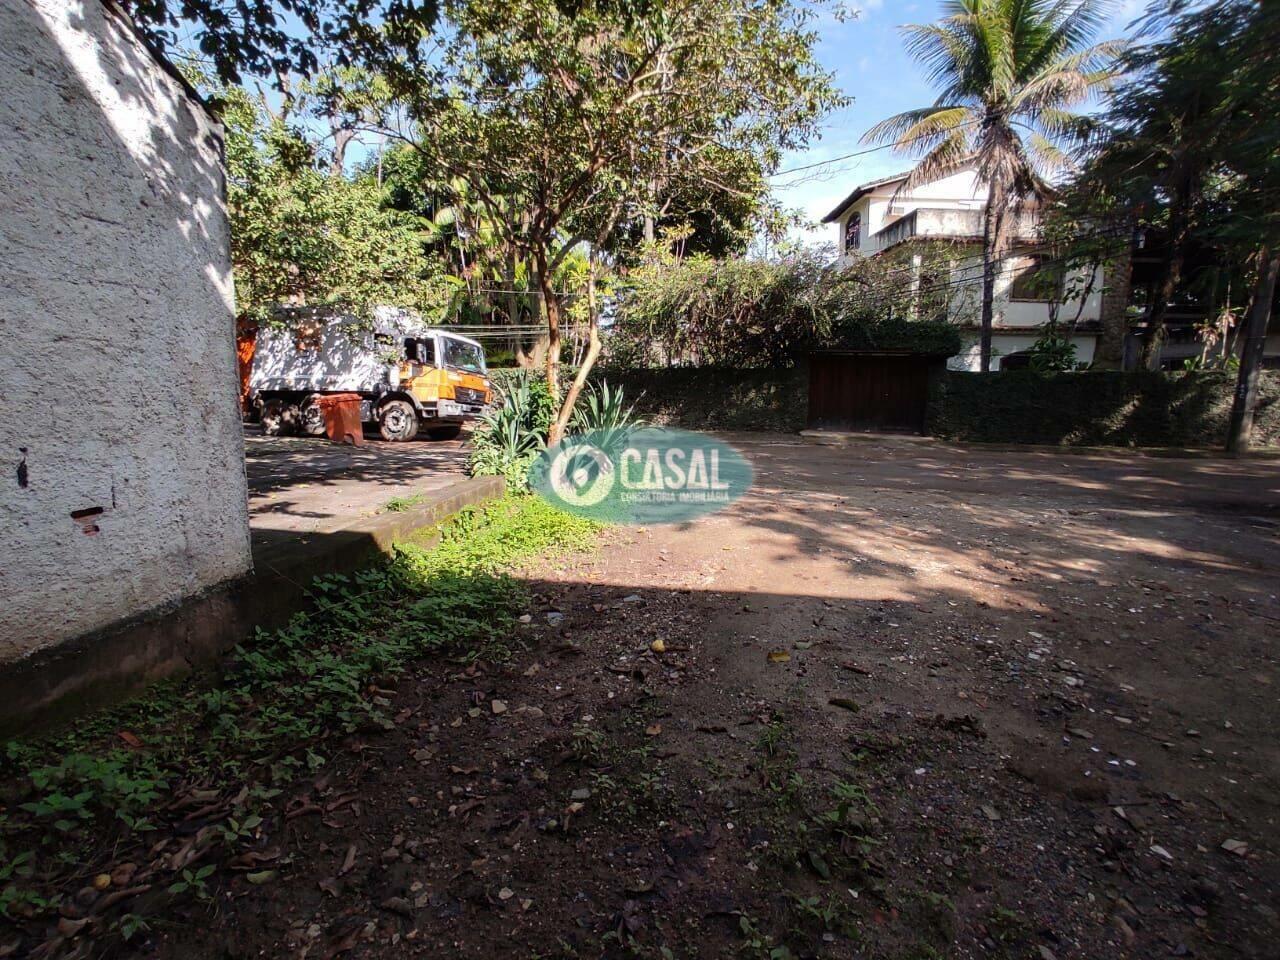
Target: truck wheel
x: 311, y: 417
x: 272, y: 418
x: 449, y: 432
x: 397, y: 420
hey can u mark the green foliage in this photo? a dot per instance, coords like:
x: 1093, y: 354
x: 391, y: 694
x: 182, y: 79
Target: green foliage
x: 274, y: 710
x: 194, y: 881
x: 718, y: 398
x: 509, y: 438
x: 1144, y: 409
x: 1189, y: 136
x: 306, y: 236
x: 404, y: 504
x: 699, y: 311
x: 275, y: 39
x: 604, y: 412
x: 758, y: 313
x: 1053, y: 352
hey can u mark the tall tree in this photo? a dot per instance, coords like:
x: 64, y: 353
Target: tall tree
x: 568, y: 118
x: 1010, y: 73
x: 302, y: 236
x: 1255, y: 193
x: 1166, y: 142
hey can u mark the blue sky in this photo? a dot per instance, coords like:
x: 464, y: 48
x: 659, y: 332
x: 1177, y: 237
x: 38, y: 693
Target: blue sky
x: 867, y: 56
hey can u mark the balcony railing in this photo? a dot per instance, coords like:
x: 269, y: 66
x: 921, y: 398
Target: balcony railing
x: 946, y: 224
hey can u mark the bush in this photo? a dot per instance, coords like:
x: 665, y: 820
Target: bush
x: 509, y: 438
x: 742, y: 313
x: 1105, y: 408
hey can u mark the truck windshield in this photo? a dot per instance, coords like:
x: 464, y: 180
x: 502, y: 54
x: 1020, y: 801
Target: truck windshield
x: 463, y: 355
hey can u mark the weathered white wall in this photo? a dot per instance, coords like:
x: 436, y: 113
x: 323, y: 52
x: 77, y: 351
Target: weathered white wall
x: 1084, y: 303
x: 117, y: 367
x: 959, y: 191
x: 1002, y: 344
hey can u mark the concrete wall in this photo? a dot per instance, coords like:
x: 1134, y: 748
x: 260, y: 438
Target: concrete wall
x: 123, y: 489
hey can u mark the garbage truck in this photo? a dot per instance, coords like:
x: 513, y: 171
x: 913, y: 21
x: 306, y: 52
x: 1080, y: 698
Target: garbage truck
x: 410, y: 377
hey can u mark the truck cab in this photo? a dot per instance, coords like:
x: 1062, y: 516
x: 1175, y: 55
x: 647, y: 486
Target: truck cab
x: 442, y: 376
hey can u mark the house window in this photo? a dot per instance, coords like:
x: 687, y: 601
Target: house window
x: 1037, y: 279
x: 852, y: 233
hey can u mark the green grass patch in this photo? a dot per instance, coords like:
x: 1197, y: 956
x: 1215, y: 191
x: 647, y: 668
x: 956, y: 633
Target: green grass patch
x: 404, y: 504
x: 271, y: 712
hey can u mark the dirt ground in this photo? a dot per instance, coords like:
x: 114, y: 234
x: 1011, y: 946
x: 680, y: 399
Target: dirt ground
x: 913, y: 701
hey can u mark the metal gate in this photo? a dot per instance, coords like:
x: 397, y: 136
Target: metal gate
x: 871, y: 391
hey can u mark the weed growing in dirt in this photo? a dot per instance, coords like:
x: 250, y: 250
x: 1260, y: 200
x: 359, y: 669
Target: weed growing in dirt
x: 226, y: 743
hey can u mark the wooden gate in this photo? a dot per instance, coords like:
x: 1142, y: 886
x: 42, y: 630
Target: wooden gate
x: 869, y: 391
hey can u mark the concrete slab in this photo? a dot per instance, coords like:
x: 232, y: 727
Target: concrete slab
x: 303, y: 485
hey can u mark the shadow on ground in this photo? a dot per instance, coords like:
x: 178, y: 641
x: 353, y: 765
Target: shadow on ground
x: 903, y: 704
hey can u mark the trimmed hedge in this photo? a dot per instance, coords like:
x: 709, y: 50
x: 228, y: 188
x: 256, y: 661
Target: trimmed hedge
x: 1090, y: 408
x: 717, y: 398
x: 1096, y: 408
x: 704, y: 398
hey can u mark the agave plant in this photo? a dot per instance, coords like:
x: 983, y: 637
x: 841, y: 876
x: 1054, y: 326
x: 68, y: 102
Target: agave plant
x: 509, y: 438
x: 604, y: 413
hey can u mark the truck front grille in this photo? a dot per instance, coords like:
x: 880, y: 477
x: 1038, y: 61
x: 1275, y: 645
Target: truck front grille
x: 468, y: 395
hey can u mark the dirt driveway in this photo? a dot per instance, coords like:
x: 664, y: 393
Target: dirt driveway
x: 908, y: 701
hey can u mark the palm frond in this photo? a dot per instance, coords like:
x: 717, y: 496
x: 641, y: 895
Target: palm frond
x: 918, y: 127
x: 948, y: 157
x: 1047, y: 155
x: 1075, y: 22
x: 998, y: 65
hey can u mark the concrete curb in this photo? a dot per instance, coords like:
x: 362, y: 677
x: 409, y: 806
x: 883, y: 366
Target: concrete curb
x: 111, y: 665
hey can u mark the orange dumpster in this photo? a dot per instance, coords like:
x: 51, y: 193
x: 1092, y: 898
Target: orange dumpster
x: 342, y: 417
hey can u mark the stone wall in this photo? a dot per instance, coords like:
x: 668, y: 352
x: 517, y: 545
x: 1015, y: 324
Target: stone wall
x: 123, y: 489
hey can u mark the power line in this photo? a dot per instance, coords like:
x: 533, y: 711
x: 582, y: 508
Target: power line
x: 862, y: 153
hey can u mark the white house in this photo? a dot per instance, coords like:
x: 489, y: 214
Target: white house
x: 882, y: 216
x: 123, y: 489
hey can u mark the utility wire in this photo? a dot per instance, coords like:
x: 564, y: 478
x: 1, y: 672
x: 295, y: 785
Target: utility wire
x: 862, y: 153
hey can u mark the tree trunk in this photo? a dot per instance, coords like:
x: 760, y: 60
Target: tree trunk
x: 593, y: 351
x: 511, y: 300
x: 1117, y: 282
x: 342, y: 138
x: 1170, y: 274
x: 1240, y: 430
x: 1170, y: 271
x: 991, y: 224
x: 550, y: 310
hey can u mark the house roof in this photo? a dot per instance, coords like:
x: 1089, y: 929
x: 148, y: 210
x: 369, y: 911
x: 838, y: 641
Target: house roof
x: 859, y: 193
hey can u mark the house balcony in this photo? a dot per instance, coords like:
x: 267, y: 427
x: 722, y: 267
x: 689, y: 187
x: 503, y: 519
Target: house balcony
x: 940, y: 223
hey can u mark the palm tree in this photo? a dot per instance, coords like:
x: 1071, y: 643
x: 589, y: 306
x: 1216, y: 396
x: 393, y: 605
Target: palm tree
x: 1010, y: 73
